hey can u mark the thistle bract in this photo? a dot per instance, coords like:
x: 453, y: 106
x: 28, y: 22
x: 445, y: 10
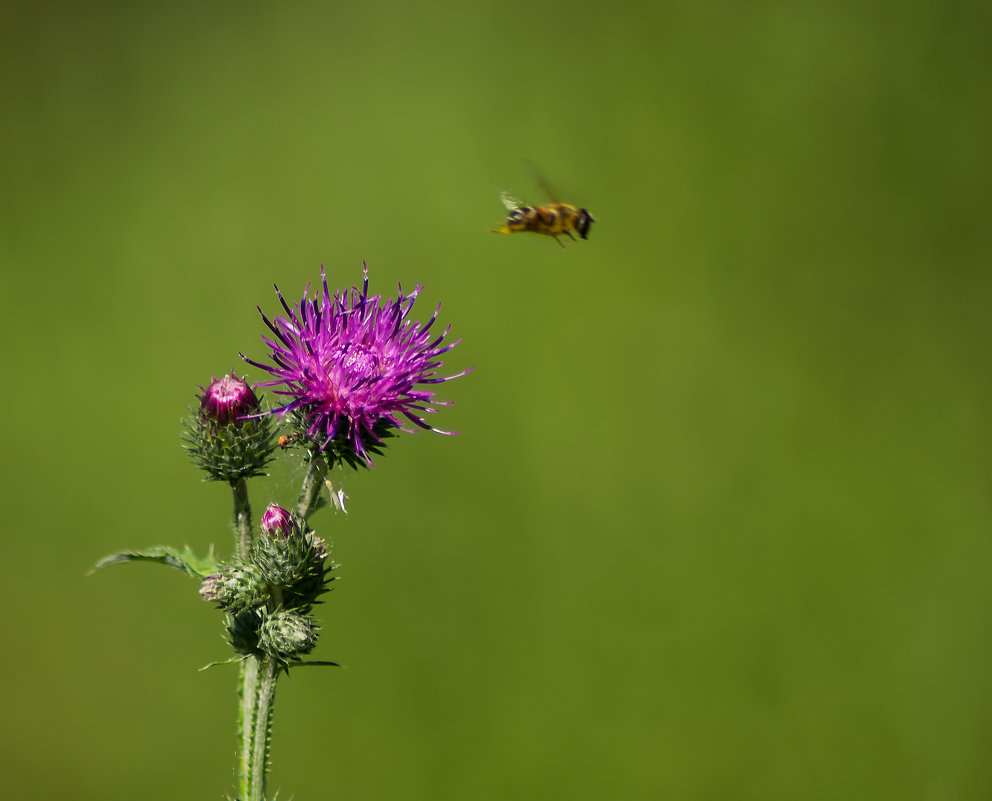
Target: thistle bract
x: 350, y: 365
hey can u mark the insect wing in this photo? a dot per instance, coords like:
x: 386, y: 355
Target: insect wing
x: 512, y: 203
x: 538, y: 177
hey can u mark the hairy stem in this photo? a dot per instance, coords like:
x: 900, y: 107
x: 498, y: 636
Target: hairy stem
x: 266, y: 673
x: 258, y: 768
x: 314, y: 481
x: 242, y: 517
x: 248, y: 690
x: 246, y: 723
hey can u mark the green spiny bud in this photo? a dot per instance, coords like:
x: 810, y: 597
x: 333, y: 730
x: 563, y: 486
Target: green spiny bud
x: 242, y: 631
x: 235, y: 588
x: 293, y: 559
x: 287, y: 635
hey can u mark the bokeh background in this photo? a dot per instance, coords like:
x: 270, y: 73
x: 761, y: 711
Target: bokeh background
x: 718, y: 522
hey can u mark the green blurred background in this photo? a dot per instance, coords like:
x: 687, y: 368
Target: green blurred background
x: 718, y: 522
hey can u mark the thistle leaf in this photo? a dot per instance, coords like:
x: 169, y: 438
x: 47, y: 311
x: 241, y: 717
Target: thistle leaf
x: 184, y: 560
x: 232, y: 661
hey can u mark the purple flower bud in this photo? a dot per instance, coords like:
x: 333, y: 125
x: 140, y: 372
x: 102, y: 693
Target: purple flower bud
x: 277, y: 520
x: 227, y: 400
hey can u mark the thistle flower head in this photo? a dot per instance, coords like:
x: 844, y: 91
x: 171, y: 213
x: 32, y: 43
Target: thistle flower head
x: 349, y: 366
x: 224, y: 437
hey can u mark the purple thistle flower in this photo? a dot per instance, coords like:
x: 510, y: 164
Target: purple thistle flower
x: 349, y: 365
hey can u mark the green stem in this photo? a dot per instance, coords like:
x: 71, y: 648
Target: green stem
x: 247, y: 712
x: 265, y: 673
x: 247, y: 722
x: 258, y: 767
x: 242, y: 517
x: 314, y: 481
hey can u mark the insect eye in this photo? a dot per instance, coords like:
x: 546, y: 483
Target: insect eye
x: 516, y: 215
x: 584, y: 221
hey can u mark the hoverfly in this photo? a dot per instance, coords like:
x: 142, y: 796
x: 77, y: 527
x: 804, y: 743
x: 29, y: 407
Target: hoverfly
x: 552, y: 219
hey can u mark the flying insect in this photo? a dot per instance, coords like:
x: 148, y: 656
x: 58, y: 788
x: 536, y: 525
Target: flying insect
x: 552, y: 219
